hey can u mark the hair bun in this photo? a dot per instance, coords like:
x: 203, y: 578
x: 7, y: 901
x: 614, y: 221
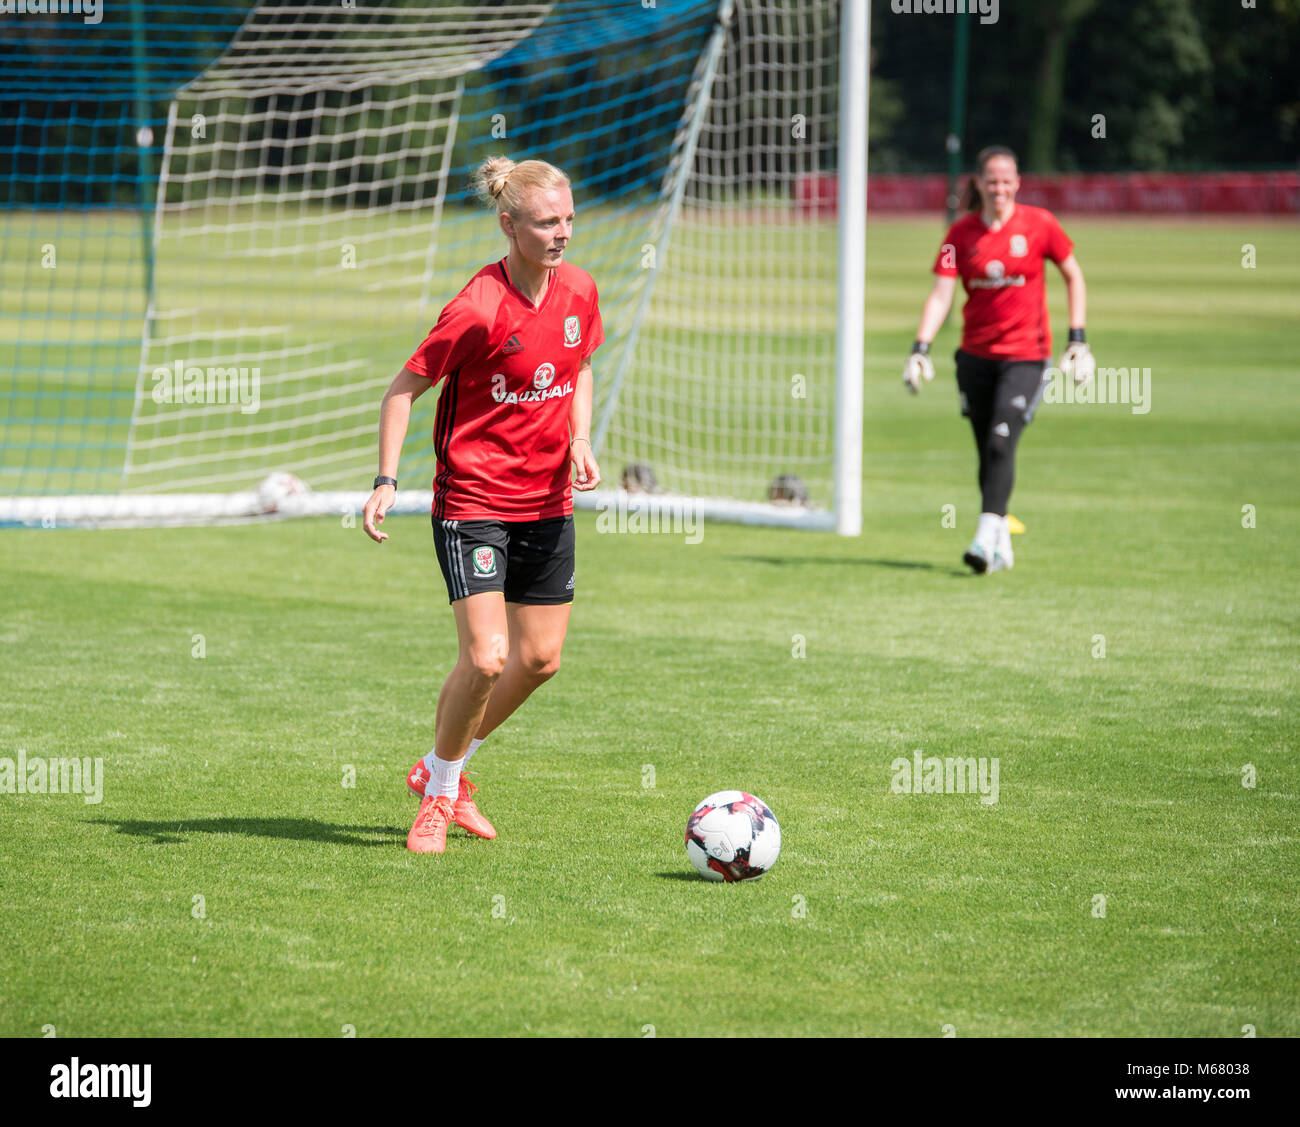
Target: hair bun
x: 495, y: 183
x: 491, y: 177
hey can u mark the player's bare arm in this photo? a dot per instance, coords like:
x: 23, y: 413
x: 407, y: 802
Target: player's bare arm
x: 918, y: 365
x: 394, y: 418
x: 1077, y: 360
x: 935, y: 310
x: 586, y: 473
x: 1076, y: 292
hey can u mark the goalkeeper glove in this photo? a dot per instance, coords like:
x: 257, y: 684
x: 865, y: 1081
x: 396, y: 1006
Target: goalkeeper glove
x: 919, y: 367
x: 1078, y: 361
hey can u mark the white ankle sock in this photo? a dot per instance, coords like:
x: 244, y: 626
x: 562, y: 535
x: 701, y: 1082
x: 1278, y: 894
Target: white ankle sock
x: 432, y: 757
x: 446, y: 778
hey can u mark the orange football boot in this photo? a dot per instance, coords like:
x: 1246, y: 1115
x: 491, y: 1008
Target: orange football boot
x: 464, y: 811
x: 429, y: 834
x: 417, y: 778
x: 466, y: 815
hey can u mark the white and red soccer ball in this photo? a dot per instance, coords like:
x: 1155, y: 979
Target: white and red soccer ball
x: 277, y: 488
x: 732, y: 836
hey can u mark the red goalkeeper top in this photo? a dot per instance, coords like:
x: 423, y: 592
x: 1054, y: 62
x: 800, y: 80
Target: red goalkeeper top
x: 1005, y: 316
x: 501, y: 432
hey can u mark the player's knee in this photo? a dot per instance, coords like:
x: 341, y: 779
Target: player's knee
x: 541, y: 665
x: 486, y: 662
x: 1001, y: 442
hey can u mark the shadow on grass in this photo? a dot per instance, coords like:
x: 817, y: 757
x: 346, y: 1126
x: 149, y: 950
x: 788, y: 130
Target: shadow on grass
x: 680, y: 874
x: 855, y: 561
x: 294, y: 829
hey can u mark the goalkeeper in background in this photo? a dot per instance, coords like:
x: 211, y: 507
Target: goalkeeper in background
x: 998, y: 250
x: 512, y: 431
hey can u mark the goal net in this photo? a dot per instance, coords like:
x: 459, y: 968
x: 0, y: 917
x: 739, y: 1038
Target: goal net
x: 269, y: 205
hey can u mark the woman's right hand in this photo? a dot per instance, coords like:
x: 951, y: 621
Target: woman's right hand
x: 381, y: 500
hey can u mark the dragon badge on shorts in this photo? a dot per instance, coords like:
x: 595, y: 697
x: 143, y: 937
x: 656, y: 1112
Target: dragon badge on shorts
x: 485, y: 562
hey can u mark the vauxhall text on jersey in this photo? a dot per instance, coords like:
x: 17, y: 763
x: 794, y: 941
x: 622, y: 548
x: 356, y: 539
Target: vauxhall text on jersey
x: 501, y: 432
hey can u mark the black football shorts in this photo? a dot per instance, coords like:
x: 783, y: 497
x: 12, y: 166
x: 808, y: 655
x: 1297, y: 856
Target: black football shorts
x: 528, y: 561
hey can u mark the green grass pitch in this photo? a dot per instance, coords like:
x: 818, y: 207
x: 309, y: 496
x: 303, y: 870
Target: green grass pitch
x: 229, y: 883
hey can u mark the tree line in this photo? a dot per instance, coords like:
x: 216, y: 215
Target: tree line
x: 1092, y: 85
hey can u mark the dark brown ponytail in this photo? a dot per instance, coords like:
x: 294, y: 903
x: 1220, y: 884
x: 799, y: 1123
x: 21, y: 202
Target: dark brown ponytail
x: 970, y: 194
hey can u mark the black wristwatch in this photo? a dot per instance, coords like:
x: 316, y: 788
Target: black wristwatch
x: 381, y: 480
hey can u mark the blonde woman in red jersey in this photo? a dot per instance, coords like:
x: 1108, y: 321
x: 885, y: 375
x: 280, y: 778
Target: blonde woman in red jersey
x: 512, y: 429
x: 999, y: 250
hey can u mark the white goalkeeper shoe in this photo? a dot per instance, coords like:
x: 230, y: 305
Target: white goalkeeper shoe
x: 1004, y: 559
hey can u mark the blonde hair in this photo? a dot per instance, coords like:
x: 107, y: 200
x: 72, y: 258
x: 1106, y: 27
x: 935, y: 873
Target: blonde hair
x: 502, y: 184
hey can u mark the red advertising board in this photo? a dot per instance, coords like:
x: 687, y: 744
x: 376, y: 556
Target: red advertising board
x: 1150, y: 193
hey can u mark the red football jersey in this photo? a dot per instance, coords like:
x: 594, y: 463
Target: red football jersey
x: 501, y: 432
x: 1005, y: 316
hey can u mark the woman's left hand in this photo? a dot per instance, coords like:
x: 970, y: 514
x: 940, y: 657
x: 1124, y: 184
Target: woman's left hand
x: 1078, y: 362
x: 586, y: 473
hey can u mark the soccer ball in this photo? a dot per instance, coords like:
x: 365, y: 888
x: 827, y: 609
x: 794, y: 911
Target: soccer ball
x: 732, y: 836
x: 277, y: 488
